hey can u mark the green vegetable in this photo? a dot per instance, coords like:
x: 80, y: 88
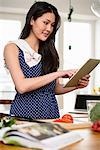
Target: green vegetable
x: 7, y: 122
x: 95, y: 113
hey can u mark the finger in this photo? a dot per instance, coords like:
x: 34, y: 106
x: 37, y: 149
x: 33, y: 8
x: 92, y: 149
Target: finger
x: 83, y: 82
x: 85, y: 78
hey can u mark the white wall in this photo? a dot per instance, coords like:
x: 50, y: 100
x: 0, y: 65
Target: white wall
x: 80, y: 6
x: 97, y: 50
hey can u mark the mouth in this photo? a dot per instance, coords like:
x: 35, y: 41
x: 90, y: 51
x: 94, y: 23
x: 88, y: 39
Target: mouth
x: 46, y: 34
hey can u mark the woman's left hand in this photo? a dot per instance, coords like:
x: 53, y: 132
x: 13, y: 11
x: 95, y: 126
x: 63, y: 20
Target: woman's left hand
x: 83, y: 82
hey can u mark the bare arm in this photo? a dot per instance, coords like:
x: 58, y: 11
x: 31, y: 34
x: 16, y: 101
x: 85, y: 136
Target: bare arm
x: 27, y: 84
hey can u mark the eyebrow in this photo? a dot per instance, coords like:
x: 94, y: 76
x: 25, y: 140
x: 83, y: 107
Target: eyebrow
x: 50, y: 21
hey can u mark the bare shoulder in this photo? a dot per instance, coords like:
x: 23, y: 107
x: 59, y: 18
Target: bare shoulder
x: 10, y: 48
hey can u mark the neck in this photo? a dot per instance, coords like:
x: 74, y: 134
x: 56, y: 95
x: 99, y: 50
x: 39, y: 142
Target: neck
x: 33, y: 42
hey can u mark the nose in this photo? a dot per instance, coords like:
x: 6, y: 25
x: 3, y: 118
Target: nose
x: 49, y: 27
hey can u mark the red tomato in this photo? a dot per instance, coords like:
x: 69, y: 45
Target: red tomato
x: 58, y: 120
x: 96, y: 126
x: 67, y: 118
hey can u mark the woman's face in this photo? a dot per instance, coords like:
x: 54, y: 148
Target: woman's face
x: 43, y: 26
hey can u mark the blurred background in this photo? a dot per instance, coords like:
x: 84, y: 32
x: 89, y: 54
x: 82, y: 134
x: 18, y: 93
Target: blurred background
x: 77, y: 40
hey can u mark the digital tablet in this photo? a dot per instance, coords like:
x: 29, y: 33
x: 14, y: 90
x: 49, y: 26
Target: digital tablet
x: 84, y: 70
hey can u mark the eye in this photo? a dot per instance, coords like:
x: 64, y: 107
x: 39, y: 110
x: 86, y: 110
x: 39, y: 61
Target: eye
x: 45, y: 22
x: 53, y: 25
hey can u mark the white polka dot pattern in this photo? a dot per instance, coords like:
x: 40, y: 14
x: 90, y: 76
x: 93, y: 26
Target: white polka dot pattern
x: 38, y: 104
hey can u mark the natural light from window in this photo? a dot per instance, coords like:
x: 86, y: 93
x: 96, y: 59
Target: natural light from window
x: 9, y: 30
x: 77, y: 50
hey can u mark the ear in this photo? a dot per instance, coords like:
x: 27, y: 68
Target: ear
x: 32, y: 21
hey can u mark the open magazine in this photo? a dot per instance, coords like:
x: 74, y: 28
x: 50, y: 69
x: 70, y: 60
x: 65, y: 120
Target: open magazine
x: 39, y: 135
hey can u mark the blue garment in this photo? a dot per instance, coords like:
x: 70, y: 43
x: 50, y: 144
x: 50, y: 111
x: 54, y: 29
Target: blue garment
x: 38, y: 104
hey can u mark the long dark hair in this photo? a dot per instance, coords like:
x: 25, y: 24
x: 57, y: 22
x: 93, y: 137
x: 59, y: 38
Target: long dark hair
x: 50, y: 58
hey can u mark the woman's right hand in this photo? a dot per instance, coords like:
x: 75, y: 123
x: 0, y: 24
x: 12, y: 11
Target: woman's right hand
x: 67, y: 73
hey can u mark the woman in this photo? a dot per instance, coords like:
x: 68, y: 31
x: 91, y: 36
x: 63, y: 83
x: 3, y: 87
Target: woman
x: 33, y: 63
